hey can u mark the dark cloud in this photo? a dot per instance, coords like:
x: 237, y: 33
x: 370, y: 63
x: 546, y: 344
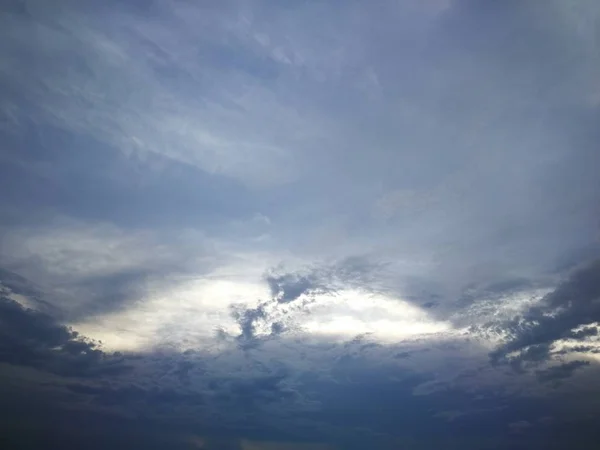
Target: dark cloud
x: 247, y: 319
x: 355, y: 399
x: 18, y: 284
x: 130, y: 395
x: 355, y: 271
x: 519, y: 427
x: 110, y: 293
x: 30, y: 338
x: 531, y: 356
x: 35, y: 421
x: 574, y: 303
x: 559, y: 373
x: 250, y: 395
x: 287, y: 288
x: 22, y: 286
x: 183, y: 370
x: 583, y: 333
x: 580, y: 349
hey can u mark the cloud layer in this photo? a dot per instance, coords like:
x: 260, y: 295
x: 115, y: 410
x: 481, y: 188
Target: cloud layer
x: 311, y: 225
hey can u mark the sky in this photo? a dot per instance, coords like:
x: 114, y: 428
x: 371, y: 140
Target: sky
x: 299, y: 225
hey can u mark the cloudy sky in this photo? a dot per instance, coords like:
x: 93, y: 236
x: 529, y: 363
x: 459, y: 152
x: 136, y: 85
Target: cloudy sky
x: 299, y: 225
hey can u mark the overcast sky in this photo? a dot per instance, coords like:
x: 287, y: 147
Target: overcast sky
x: 296, y: 225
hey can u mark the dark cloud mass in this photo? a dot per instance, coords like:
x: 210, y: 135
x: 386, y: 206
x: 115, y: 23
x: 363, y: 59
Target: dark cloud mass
x: 30, y: 338
x: 558, y: 373
x: 303, y: 225
x: 565, y: 313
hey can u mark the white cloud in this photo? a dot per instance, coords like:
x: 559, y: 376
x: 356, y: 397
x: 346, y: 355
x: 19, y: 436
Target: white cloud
x: 349, y: 313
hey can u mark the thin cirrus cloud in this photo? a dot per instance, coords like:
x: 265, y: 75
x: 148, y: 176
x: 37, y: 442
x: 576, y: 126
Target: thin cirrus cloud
x: 302, y: 225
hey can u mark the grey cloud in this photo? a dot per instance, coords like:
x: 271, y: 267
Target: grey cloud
x: 247, y: 319
x: 19, y: 284
x: 128, y: 195
x: 424, y: 133
x: 84, y: 269
x: 109, y: 293
x: 287, y: 288
x: 277, y: 328
x: 362, y: 271
x: 22, y: 286
x: 15, y: 7
x: 560, y: 372
x: 443, y: 153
